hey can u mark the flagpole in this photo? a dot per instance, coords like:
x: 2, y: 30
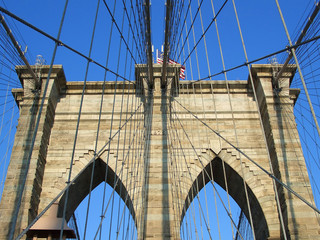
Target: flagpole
x: 157, y: 56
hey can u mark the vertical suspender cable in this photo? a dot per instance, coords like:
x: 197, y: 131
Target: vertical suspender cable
x: 77, y: 176
x: 1, y: 126
x: 192, y: 136
x: 194, y: 94
x: 166, y: 43
x: 205, y: 171
x: 293, y: 52
x: 261, y: 124
x: 77, y: 127
x: 16, y: 45
x: 111, y: 121
x: 133, y: 152
x: 95, y: 150
x: 120, y: 120
x: 4, y: 109
x: 302, y: 35
x: 20, y: 194
x: 127, y: 173
x: 149, y: 47
x: 191, y: 212
x: 124, y: 148
x: 231, y: 108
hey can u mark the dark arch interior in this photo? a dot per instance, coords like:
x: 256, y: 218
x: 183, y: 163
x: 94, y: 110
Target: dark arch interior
x: 80, y: 189
x: 236, y: 191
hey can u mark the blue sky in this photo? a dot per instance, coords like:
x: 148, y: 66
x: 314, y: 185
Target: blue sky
x: 261, y: 26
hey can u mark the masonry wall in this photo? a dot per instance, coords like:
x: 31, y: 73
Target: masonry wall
x: 165, y: 182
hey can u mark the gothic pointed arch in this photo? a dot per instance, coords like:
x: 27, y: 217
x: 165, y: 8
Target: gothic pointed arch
x: 81, y: 187
x: 215, y: 170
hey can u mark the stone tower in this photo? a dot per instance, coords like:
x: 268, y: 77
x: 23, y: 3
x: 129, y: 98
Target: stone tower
x: 165, y: 112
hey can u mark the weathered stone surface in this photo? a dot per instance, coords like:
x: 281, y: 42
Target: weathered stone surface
x: 171, y: 156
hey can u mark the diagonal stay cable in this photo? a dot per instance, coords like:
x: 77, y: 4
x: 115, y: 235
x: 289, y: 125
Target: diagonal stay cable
x: 177, y: 24
x: 195, y: 188
x: 204, y: 169
x: 92, y: 173
x: 124, y: 144
x: 187, y: 35
x: 120, y: 120
x: 259, y: 59
x: 99, y: 153
x: 20, y: 194
x: 78, y: 125
x: 130, y: 26
x: 251, y: 160
x: 204, y: 33
x: 119, y: 30
x: 113, y: 190
x: 60, y: 43
x: 111, y: 197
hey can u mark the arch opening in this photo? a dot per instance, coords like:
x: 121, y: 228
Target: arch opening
x: 237, y: 200
x: 120, y: 212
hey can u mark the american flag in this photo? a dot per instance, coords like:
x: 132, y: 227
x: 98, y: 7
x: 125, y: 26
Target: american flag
x: 182, y: 69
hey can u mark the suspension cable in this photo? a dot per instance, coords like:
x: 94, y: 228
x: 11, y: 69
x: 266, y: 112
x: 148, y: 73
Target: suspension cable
x: 251, y: 160
x: 22, y: 187
x: 99, y: 153
x: 261, y: 58
x: 58, y: 42
x: 203, y: 167
x: 299, y: 69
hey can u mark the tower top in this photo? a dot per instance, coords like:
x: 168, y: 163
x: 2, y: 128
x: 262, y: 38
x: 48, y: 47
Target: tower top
x: 172, y: 77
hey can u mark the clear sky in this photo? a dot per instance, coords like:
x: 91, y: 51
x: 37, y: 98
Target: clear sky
x: 261, y: 26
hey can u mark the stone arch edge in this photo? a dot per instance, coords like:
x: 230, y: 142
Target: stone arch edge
x: 237, y: 192
x: 81, y: 185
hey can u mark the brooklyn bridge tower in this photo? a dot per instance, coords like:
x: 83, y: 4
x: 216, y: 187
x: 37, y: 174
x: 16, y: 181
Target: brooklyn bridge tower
x: 182, y: 143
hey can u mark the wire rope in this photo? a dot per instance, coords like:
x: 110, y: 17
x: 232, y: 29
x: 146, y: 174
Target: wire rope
x: 288, y: 114
x: 120, y: 119
x: 60, y: 43
x: 77, y: 130
x: 203, y: 167
x: 299, y: 69
x: 134, y: 159
x: 251, y: 160
x: 192, y: 136
x: 205, y: 31
x: 20, y: 192
x: 108, y: 202
x: 176, y: 138
x: 75, y: 178
x: 93, y: 165
x: 124, y: 146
